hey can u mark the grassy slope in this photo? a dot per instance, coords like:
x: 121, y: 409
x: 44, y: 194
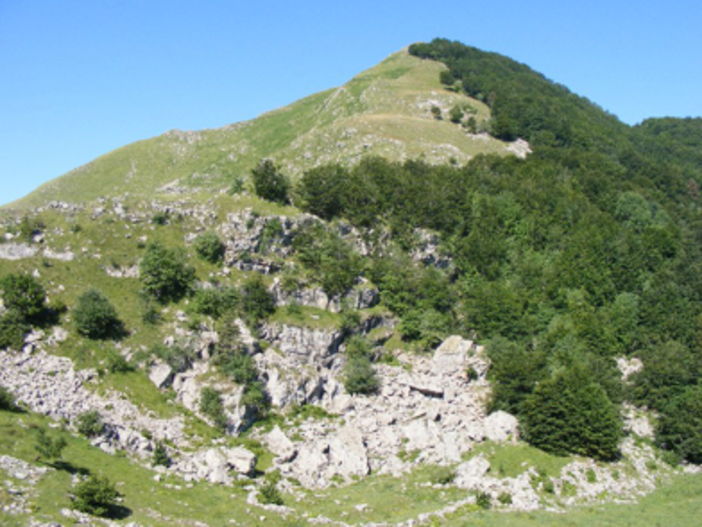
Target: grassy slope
x: 172, y: 502
x: 384, y: 110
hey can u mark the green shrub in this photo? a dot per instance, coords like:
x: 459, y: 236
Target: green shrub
x: 358, y: 346
x: 257, y: 302
x: 159, y: 218
x: 456, y: 114
x: 211, y: 405
x: 680, y: 426
x: 256, y: 399
x: 160, y: 456
x: 29, y: 227
x: 570, y: 413
x: 483, y: 500
x: 321, y: 189
x: 269, y: 183
x: 180, y: 356
x: 95, y: 317
x: 165, y: 273
x: 95, y: 496
x: 7, y: 401
x: 215, y: 302
x: 49, y: 447
x: 13, y: 329
x: 269, y: 494
x: 505, y: 498
x: 442, y: 475
x: 23, y: 294
x: 209, y: 247
x: 359, y: 376
x: 238, y: 366
x: 333, y: 263
x: 116, y: 363
x: 90, y: 423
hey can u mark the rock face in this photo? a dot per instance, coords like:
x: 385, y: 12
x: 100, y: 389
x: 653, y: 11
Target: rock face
x: 361, y: 297
x: 216, y: 465
x: 299, y: 363
x: 342, y: 455
x: 49, y: 385
x: 433, y: 413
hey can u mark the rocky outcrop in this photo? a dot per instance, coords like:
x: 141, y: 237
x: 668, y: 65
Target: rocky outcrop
x: 49, y: 385
x: 17, y: 251
x: 254, y: 242
x: 302, y: 344
x: 427, y: 411
x: 360, y: 297
x: 319, y: 461
x: 426, y: 250
x: 217, y: 465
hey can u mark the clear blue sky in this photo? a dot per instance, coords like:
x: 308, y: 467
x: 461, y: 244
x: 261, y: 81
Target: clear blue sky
x: 79, y: 78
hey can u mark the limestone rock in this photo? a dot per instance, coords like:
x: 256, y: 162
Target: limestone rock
x: 17, y: 251
x: 501, y: 426
x: 241, y: 460
x: 280, y: 445
x: 629, y: 367
x: 470, y: 473
x: 347, y: 453
x: 161, y: 375
x: 450, y: 357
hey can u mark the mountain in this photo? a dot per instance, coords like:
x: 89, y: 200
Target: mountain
x: 385, y: 110
x: 449, y: 286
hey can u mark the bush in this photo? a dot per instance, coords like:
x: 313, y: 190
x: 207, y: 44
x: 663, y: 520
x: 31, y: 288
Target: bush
x: 505, y: 498
x: 680, y: 426
x: 90, y: 423
x: 321, y: 190
x: 7, y: 401
x: 13, y: 329
x: 95, y: 496
x: 215, y: 302
x: 209, y: 247
x: 269, y: 183
x: 29, y: 227
x: 160, y: 218
x: 211, y: 406
x: 23, y: 294
x: 95, y: 317
x: 257, y: 302
x: 165, y: 274
x: 116, y: 363
x: 49, y: 447
x: 359, y: 376
x: 570, y: 413
x: 256, y: 399
x: 238, y: 366
x: 442, y: 475
x: 270, y: 495
x: 334, y: 264
x: 160, y: 456
x: 483, y: 500
x: 180, y: 356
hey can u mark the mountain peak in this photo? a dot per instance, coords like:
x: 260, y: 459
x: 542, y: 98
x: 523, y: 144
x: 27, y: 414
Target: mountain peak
x: 397, y: 109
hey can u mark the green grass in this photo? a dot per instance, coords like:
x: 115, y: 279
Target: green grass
x: 310, y: 317
x: 172, y: 502
x: 512, y: 460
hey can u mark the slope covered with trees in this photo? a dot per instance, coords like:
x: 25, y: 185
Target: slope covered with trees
x: 586, y: 251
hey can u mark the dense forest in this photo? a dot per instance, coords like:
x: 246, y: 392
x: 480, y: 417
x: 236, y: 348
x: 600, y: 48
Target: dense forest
x: 587, y: 250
